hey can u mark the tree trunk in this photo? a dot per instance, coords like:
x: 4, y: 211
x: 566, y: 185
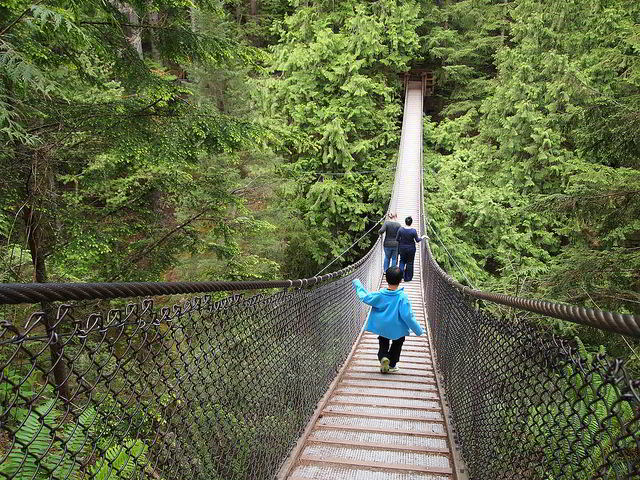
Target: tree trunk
x: 35, y: 240
x: 154, y: 20
x: 193, y: 16
x: 253, y: 7
x: 133, y: 34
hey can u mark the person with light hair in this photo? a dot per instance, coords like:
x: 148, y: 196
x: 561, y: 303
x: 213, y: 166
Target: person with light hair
x: 390, y: 245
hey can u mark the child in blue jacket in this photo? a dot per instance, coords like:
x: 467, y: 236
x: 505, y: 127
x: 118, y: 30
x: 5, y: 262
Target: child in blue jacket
x: 391, y: 318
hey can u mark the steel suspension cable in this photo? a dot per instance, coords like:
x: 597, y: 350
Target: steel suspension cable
x: 350, y: 247
x: 453, y: 260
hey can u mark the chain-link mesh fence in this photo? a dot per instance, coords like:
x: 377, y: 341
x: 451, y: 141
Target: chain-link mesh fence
x: 172, y: 388
x: 526, y: 405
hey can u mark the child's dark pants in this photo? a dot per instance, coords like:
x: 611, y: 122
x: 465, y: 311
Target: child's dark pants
x: 393, y: 353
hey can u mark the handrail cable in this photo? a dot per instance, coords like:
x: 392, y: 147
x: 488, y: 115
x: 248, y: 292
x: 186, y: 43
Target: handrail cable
x: 453, y: 260
x: 635, y: 354
x: 350, y: 247
x: 626, y: 324
x: 17, y: 293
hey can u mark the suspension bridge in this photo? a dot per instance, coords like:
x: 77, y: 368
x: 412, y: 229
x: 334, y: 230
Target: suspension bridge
x: 262, y: 380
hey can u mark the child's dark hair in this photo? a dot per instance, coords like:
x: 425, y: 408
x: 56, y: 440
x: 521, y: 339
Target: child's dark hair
x: 408, y: 221
x: 393, y: 275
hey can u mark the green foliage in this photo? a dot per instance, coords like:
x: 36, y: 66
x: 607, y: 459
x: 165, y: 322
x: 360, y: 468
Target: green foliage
x: 577, y: 428
x: 45, y: 448
x: 48, y: 447
x: 121, y: 461
x: 333, y: 103
x: 11, y: 377
x: 143, y: 419
x: 532, y: 165
x: 114, y: 149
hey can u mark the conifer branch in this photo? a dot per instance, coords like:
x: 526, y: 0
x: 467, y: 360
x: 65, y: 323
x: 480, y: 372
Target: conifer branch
x: 20, y: 17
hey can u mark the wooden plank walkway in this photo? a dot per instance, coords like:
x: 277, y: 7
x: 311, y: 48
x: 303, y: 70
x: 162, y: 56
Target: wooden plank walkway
x: 374, y: 426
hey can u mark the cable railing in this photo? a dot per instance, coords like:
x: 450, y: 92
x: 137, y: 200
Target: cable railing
x: 527, y: 404
x: 178, y: 386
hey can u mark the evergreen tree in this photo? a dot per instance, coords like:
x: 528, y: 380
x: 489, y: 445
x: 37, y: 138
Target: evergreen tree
x: 533, y: 172
x: 333, y: 98
x: 110, y: 161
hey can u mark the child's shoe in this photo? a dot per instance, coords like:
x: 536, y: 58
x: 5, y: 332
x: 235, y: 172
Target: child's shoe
x: 393, y: 370
x: 384, y: 365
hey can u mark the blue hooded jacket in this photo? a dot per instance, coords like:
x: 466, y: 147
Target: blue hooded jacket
x: 391, y: 314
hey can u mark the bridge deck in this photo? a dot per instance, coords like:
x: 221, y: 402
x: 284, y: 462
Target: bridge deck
x: 378, y: 426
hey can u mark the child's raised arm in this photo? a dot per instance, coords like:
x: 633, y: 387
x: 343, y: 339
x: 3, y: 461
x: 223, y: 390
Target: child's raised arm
x: 362, y: 292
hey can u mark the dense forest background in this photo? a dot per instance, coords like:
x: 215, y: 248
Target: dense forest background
x: 204, y: 139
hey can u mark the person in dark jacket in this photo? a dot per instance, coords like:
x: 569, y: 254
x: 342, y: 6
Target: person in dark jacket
x: 390, y: 245
x: 407, y: 238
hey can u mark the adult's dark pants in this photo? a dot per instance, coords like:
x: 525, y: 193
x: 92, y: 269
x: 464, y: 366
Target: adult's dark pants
x: 393, y: 353
x: 407, y: 255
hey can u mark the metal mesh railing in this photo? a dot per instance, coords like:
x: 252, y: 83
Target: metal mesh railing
x: 527, y: 405
x: 172, y: 388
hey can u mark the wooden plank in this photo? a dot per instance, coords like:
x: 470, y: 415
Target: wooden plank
x: 378, y: 465
x: 400, y: 431
x: 417, y: 387
x: 384, y: 394
x: 382, y: 404
x: 361, y: 365
x: 386, y: 446
x: 396, y: 377
x: 331, y: 413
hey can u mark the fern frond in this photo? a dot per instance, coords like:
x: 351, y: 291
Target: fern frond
x: 32, y: 442
x: 75, y: 438
x: 77, y: 434
x: 45, y: 16
x: 22, y: 71
x: 121, y: 461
